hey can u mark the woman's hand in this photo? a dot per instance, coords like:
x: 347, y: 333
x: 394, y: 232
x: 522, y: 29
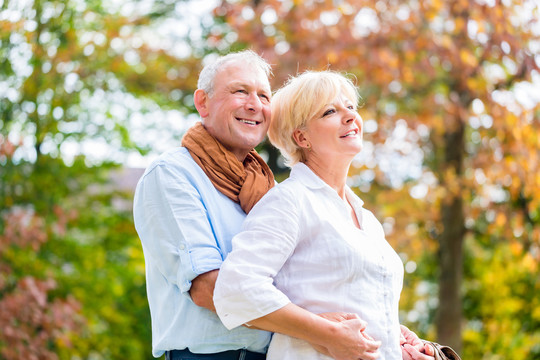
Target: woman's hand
x: 364, y: 346
x: 412, y: 348
x: 353, y: 343
x: 341, y: 340
x: 340, y: 316
x: 336, y: 317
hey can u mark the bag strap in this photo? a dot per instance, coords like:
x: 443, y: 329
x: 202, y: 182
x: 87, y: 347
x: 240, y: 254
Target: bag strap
x: 443, y: 352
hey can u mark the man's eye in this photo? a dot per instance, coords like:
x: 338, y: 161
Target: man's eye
x: 242, y: 91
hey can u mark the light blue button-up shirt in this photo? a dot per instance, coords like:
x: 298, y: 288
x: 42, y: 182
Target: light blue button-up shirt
x: 186, y: 226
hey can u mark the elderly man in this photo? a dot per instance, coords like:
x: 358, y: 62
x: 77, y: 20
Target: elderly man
x: 192, y: 200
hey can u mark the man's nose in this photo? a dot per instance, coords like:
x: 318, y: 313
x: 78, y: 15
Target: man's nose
x: 253, y: 102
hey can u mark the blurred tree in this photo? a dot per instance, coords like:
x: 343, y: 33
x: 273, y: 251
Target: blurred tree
x: 451, y: 154
x: 444, y: 82
x: 29, y: 318
x: 73, y: 76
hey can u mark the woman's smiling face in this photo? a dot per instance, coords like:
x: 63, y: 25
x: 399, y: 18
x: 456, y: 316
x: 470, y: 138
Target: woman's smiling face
x: 335, y: 131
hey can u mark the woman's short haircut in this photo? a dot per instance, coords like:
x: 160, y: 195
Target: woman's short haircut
x: 298, y: 102
x: 246, y: 57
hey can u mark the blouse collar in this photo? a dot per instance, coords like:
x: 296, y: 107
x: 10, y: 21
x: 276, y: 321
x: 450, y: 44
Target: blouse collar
x: 303, y: 173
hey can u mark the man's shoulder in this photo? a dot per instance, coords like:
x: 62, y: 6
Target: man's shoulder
x: 177, y: 159
x: 175, y: 164
x: 178, y: 156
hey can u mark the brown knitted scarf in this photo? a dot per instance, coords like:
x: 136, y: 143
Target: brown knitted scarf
x: 244, y: 183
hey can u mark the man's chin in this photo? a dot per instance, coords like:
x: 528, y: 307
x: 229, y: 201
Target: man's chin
x: 256, y: 136
x: 253, y: 142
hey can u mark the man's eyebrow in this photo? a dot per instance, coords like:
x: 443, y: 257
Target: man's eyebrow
x: 234, y: 84
x: 237, y: 83
x: 240, y: 84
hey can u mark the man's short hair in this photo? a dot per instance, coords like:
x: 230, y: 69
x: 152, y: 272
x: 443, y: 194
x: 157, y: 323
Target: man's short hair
x: 246, y: 57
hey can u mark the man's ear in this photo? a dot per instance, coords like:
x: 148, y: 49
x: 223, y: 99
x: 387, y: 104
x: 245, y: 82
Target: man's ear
x: 200, y: 99
x: 300, y: 138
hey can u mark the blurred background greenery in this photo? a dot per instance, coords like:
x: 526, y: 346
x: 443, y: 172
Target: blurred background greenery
x: 91, y: 91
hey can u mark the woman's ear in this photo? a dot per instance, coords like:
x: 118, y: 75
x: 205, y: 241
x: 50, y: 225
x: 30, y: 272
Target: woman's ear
x: 300, y: 137
x: 200, y: 99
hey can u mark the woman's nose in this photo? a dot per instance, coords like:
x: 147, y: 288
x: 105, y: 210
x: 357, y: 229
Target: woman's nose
x: 349, y: 116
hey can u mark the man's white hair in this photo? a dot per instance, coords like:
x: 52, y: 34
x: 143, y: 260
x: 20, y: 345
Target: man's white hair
x: 246, y: 57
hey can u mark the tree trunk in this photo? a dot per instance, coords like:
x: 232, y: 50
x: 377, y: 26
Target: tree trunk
x: 451, y: 246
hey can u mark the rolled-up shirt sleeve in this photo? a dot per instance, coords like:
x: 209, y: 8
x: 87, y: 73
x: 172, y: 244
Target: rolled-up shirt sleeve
x: 244, y: 289
x: 173, y: 225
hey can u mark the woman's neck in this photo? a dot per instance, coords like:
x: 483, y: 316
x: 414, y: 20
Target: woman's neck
x: 332, y: 173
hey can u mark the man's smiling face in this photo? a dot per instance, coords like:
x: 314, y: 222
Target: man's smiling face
x: 237, y: 112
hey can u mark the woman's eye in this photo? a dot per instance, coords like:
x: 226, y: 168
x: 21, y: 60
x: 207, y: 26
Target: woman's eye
x: 328, y: 112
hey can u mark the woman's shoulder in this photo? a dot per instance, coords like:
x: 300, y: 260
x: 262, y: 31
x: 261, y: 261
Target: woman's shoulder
x: 286, y: 188
x: 290, y: 186
x: 284, y: 194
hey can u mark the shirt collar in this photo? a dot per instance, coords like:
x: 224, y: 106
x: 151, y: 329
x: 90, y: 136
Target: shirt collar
x: 354, y: 199
x: 302, y: 172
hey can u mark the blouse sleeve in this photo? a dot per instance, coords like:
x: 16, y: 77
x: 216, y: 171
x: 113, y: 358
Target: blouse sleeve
x: 244, y: 289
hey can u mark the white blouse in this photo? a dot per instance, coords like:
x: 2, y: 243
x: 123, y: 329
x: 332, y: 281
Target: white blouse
x: 300, y: 245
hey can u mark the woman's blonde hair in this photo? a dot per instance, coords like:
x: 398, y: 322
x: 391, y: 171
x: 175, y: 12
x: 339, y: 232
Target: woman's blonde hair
x: 298, y: 101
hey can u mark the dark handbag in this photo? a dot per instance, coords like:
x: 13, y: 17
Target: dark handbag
x: 443, y: 352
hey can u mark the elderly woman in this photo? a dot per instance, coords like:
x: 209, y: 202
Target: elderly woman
x: 310, y: 247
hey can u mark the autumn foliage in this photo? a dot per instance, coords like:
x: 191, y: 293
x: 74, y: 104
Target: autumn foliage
x: 439, y: 79
x: 451, y: 162
x: 30, y: 320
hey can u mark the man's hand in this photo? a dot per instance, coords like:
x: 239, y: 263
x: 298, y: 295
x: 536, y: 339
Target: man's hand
x: 202, y: 290
x: 412, y: 348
